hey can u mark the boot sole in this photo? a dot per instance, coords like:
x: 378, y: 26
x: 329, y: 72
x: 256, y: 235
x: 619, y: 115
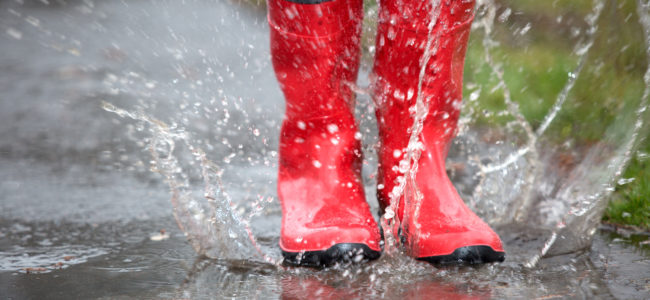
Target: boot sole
x: 469, y: 255
x: 346, y: 254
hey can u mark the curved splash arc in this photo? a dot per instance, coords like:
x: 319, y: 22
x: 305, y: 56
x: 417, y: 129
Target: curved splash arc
x: 212, y: 227
x: 583, y: 198
x: 521, y: 210
x: 584, y: 215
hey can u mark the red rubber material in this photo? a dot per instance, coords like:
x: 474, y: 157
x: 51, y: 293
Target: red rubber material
x: 315, y: 55
x: 444, y: 223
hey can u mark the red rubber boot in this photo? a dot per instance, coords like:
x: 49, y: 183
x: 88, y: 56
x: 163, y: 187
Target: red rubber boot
x: 315, y: 54
x: 437, y: 226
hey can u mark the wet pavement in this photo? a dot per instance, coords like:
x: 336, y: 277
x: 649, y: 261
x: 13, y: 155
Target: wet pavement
x: 82, y: 216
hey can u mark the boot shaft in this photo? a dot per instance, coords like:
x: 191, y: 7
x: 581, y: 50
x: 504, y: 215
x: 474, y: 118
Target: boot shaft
x: 400, y: 57
x: 401, y: 54
x: 315, y: 54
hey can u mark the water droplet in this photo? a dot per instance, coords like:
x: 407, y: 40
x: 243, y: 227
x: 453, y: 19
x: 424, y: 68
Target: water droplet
x: 317, y: 164
x: 33, y: 21
x: 624, y: 181
x: 474, y: 95
x: 404, y: 166
x: 302, y: 125
x: 391, y: 33
x: 399, y: 95
x: 505, y: 15
x: 525, y: 29
x: 14, y: 33
x: 332, y: 128
x: 289, y: 13
x: 389, y: 214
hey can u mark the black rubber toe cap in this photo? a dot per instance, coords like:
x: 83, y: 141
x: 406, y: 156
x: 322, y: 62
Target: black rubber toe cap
x: 469, y: 255
x: 348, y: 253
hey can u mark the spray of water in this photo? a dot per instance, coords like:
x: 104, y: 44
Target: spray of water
x: 214, y: 228
x: 585, y: 212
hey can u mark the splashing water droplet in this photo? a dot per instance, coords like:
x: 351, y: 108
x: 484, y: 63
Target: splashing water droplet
x: 624, y: 181
x: 332, y: 128
x: 14, y: 33
x: 317, y: 164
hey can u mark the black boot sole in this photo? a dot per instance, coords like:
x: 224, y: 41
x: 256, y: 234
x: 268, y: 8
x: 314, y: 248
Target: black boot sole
x: 470, y: 255
x: 344, y: 254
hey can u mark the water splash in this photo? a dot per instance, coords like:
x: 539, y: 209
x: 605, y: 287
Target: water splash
x: 407, y: 188
x: 214, y: 228
x: 487, y: 22
x: 573, y: 212
x: 506, y: 171
x: 585, y: 212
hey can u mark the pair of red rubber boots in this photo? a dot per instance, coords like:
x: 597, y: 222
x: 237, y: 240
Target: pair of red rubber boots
x: 420, y: 52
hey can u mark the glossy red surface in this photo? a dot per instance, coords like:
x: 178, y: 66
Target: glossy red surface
x: 440, y: 222
x: 319, y: 180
